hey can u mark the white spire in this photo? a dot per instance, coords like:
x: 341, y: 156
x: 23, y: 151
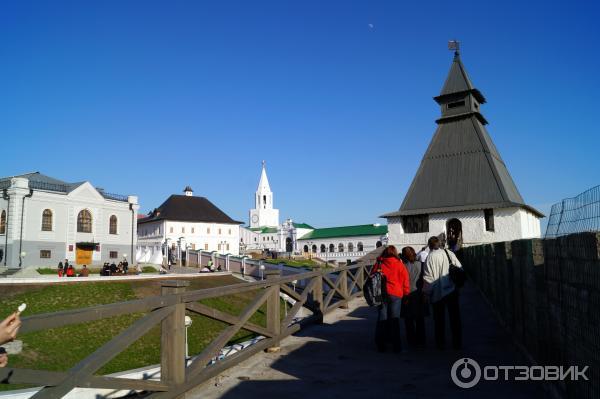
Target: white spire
x: 263, y: 213
x: 263, y: 184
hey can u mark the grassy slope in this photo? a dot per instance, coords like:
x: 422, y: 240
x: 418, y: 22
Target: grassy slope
x: 62, y: 348
x: 307, y: 263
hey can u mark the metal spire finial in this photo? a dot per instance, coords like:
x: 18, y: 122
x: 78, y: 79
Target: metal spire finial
x: 454, y: 45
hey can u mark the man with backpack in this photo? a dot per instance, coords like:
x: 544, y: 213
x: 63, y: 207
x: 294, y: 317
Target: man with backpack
x: 441, y: 283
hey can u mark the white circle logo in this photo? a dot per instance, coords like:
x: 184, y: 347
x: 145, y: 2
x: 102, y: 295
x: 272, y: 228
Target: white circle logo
x: 465, y: 373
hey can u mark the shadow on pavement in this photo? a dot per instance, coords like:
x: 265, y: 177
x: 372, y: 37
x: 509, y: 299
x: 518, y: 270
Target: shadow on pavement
x: 339, y: 360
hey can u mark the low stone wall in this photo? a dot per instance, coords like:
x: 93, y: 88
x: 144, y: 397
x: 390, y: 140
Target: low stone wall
x: 547, y: 293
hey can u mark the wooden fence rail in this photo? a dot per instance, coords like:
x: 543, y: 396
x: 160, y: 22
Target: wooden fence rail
x: 323, y: 291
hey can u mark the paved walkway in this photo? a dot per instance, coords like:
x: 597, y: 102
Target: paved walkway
x: 338, y: 360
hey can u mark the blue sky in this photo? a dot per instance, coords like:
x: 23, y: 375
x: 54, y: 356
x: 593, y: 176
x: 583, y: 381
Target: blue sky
x: 145, y: 97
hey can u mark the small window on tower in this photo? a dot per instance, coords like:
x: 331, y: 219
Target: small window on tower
x: 265, y: 201
x: 488, y: 215
x: 456, y: 104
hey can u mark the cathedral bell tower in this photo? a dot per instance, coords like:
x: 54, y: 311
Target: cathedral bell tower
x: 263, y: 214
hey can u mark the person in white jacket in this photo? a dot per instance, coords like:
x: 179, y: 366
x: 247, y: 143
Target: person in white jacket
x: 443, y: 293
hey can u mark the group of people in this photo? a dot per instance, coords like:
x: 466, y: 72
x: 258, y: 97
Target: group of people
x: 68, y: 270
x: 210, y: 267
x: 112, y: 269
x: 416, y: 285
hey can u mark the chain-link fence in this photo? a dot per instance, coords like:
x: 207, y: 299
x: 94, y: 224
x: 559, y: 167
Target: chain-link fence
x: 575, y: 215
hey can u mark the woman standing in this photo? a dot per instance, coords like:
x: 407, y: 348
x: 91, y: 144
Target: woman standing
x: 414, y: 308
x: 396, y: 286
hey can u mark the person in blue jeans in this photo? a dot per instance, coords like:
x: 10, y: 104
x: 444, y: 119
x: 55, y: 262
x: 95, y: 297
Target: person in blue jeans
x: 397, y: 285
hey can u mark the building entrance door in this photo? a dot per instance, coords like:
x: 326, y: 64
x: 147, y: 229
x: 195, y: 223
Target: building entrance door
x: 83, y: 256
x: 454, y: 234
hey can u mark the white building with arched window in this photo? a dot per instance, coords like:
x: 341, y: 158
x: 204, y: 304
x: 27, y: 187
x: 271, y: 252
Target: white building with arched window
x: 44, y: 221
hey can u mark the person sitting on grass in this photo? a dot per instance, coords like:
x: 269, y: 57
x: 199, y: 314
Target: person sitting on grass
x: 85, y: 272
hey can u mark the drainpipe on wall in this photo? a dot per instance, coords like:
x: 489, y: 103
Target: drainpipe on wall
x: 7, y: 198
x: 132, y: 256
x: 21, y: 234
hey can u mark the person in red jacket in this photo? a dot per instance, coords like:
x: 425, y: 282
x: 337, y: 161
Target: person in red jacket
x: 397, y: 284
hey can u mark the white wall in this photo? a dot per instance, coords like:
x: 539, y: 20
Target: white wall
x: 369, y: 244
x: 220, y: 237
x: 509, y: 224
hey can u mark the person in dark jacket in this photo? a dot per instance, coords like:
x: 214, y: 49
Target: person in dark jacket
x: 397, y: 285
x: 414, y: 305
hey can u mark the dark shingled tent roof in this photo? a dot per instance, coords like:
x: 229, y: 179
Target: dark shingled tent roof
x: 462, y: 168
x: 189, y: 209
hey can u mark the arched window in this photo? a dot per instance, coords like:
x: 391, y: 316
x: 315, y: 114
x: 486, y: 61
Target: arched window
x: 112, y: 225
x: 314, y: 249
x: 359, y: 247
x: 3, y: 223
x: 340, y: 247
x: 350, y: 247
x: 378, y: 244
x: 305, y: 248
x: 84, y: 221
x: 47, y: 220
x: 331, y: 248
x: 323, y: 248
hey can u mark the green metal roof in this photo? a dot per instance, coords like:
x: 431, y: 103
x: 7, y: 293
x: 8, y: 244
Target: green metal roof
x: 263, y: 230
x: 303, y: 226
x: 346, y: 231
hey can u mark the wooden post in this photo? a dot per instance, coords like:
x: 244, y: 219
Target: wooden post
x: 360, y: 276
x: 343, y: 276
x: 273, y: 309
x: 172, y: 339
x: 318, y: 295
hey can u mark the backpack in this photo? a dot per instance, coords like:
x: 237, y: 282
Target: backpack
x: 374, y: 287
x: 457, y: 274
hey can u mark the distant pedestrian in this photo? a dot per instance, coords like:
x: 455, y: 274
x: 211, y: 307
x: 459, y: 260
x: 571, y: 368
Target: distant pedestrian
x: 443, y: 293
x: 70, y: 271
x: 113, y: 269
x: 125, y: 266
x: 414, y: 305
x: 397, y: 285
x: 85, y: 272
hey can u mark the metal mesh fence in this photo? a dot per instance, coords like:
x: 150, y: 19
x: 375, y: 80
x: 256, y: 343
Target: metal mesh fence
x: 575, y: 215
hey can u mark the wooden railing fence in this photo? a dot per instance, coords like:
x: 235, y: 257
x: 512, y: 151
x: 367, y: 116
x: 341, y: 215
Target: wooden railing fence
x: 322, y: 291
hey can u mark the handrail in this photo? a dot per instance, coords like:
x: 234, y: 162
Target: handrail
x: 325, y: 290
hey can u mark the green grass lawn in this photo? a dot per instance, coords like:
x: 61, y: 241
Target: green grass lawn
x: 93, y: 270
x: 62, y: 348
x: 305, y: 263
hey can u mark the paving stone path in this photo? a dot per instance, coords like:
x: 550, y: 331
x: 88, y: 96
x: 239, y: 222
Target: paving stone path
x: 338, y: 360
